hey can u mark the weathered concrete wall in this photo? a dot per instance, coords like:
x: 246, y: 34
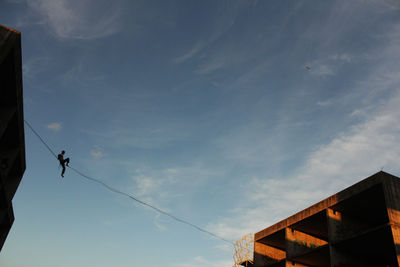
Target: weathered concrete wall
x: 396, y: 240
x: 392, y: 198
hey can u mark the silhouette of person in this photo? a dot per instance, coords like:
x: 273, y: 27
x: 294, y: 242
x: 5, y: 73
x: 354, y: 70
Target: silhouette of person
x: 62, y: 161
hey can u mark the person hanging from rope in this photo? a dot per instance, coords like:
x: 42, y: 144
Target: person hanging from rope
x: 62, y: 161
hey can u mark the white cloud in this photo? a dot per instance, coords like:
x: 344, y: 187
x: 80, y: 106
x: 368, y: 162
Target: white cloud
x: 80, y: 73
x: 165, y: 183
x: 200, y: 262
x: 34, y: 66
x: 146, y: 185
x: 325, y: 103
x: 212, y: 65
x: 328, y: 66
x: 76, y: 19
x: 97, y: 152
x: 342, y: 57
x: 224, y: 22
x: 55, y: 126
x: 391, y: 4
x: 224, y: 247
x: 352, y: 156
x: 356, y: 153
x: 191, y: 53
x: 158, y: 222
x: 15, y: 1
x: 321, y: 69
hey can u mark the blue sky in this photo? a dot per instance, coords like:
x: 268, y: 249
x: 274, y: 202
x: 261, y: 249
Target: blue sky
x: 202, y: 108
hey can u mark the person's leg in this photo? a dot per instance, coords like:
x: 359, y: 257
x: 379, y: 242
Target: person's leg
x: 63, y: 170
x: 67, y: 161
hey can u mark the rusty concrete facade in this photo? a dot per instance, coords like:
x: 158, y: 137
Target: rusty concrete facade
x: 12, y: 142
x: 359, y: 226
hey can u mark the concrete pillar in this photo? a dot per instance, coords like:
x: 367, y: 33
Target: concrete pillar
x: 392, y: 199
x: 396, y: 239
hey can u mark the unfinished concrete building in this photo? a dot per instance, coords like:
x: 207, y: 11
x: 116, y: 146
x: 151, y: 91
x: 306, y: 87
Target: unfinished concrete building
x: 12, y: 143
x: 359, y: 226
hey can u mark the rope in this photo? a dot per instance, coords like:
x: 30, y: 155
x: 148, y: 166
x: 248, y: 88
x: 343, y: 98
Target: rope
x: 40, y: 138
x: 110, y: 188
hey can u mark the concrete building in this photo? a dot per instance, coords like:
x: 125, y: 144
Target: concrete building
x: 12, y: 143
x: 359, y: 226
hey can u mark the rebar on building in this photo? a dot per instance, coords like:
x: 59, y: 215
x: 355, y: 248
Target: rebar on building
x: 244, y: 250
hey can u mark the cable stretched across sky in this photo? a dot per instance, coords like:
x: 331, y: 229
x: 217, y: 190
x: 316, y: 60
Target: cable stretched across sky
x: 126, y: 194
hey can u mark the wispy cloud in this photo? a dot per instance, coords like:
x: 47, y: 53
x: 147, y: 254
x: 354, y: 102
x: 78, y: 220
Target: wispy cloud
x: 392, y: 4
x: 223, y: 23
x: 211, y: 66
x: 97, y: 152
x: 55, y: 126
x: 15, y: 1
x: 328, y: 66
x: 35, y: 66
x: 164, y: 183
x: 342, y: 57
x: 158, y: 222
x: 80, y: 73
x: 321, y: 70
x: 201, y: 261
x: 191, y: 53
x: 145, y: 135
x: 147, y: 185
x: 346, y: 159
x: 76, y: 19
x: 357, y: 152
x: 325, y: 103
